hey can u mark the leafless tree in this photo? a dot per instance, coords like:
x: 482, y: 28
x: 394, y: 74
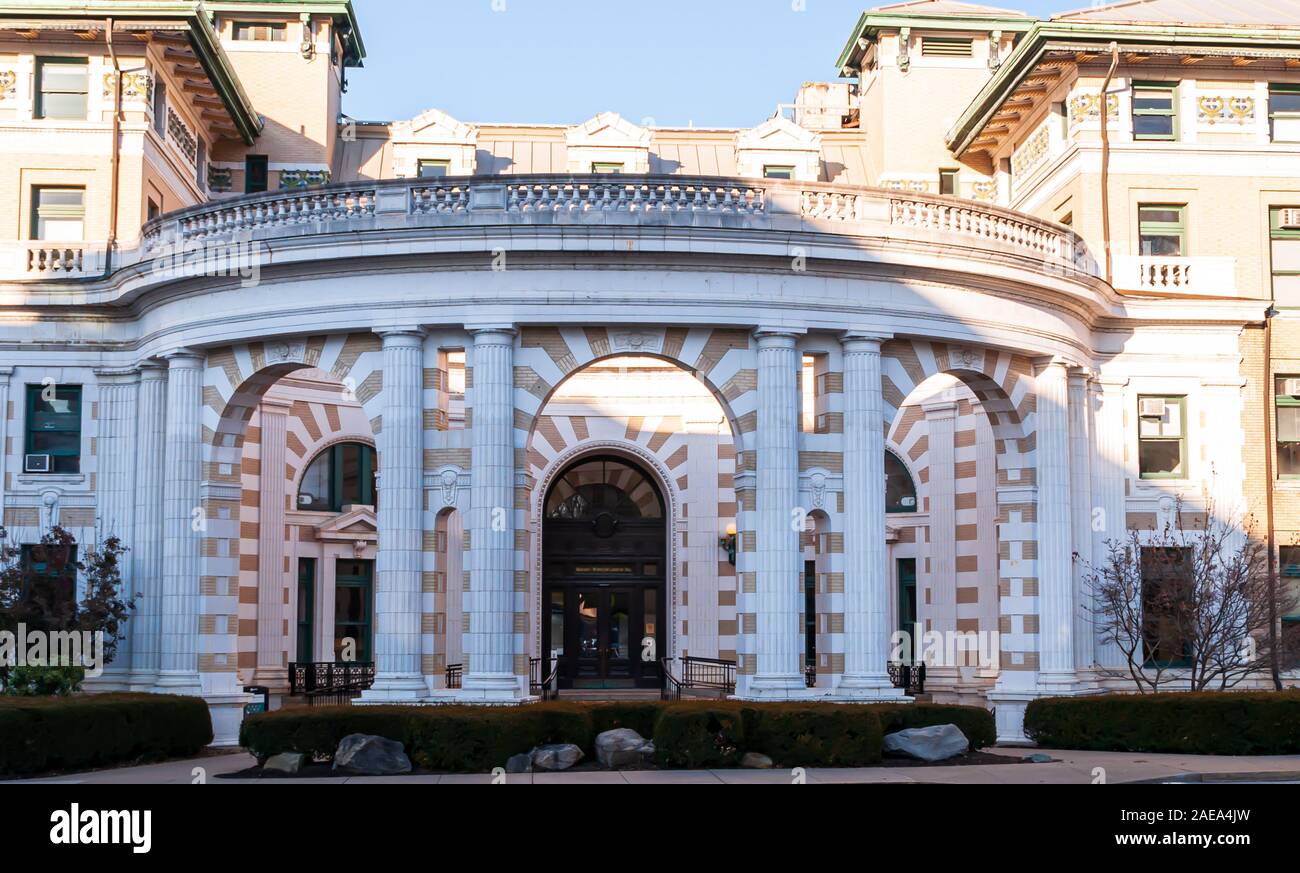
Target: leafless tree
x: 1190, y: 604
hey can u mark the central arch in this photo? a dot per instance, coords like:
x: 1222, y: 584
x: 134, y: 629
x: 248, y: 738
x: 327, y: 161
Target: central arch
x: 606, y: 564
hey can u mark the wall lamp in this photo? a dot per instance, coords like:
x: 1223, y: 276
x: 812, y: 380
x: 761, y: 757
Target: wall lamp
x: 728, y: 543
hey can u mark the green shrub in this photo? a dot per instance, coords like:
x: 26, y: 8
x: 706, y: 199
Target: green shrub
x: 814, y: 734
x: 44, y: 681
x: 976, y: 722
x: 700, y: 735
x: 1205, y: 723
x: 39, y: 735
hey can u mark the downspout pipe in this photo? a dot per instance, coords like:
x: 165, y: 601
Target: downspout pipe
x: 1274, y: 659
x: 1105, y: 162
x: 114, y: 176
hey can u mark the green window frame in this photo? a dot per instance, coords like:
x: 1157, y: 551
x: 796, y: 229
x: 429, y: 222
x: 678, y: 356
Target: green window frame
x: 778, y: 171
x: 1159, y: 225
x: 58, y: 213
x: 908, y: 619
x: 1289, y: 572
x: 306, y: 652
x: 1287, y: 433
x: 354, y: 607
x: 1284, y: 103
x: 62, y: 88
x: 1156, y: 435
x: 810, y: 614
x: 1152, y: 118
x: 53, y: 425
x: 606, y: 168
x: 327, y: 482
x: 433, y: 169
x: 63, y: 584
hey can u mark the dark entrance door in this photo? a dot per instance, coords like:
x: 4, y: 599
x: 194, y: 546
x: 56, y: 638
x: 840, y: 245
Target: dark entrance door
x: 603, y: 550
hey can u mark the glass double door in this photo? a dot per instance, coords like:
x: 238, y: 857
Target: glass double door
x: 606, y: 637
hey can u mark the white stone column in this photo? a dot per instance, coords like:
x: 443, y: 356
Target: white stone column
x: 941, y: 434
x: 5, y: 373
x: 116, y: 453
x: 273, y: 417
x: 1055, y: 537
x: 489, y: 645
x: 1107, y: 470
x: 779, y: 644
x: 1080, y: 515
x: 401, y: 523
x: 146, y: 555
x: 182, y: 534
x: 866, y: 573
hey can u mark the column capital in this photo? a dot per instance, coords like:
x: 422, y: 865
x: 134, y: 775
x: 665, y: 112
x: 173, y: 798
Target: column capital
x: 939, y: 409
x: 863, y: 341
x: 152, y: 370
x: 5, y: 373
x: 492, y: 334
x: 401, y: 335
x: 184, y: 359
x: 117, y: 375
x: 274, y: 405
x: 778, y: 337
x: 1050, y: 362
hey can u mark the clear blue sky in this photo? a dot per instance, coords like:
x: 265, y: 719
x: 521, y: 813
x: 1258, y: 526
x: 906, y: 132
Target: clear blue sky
x: 712, y: 62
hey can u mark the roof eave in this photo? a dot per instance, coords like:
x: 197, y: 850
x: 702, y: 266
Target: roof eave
x: 871, y: 23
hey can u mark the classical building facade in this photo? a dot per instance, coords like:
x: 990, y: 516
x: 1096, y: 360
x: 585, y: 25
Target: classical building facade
x: 453, y: 398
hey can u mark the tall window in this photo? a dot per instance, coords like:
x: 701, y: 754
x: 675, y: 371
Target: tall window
x: 62, y: 86
x: 434, y: 169
x: 810, y: 614
x: 900, y: 491
x: 354, y: 583
x: 253, y: 31
x: 1162, y: 437
x: 1288, y: 427
x: 306, y: 610
x: 1155, y: 110
x: 1162, y: 230
x: 160, y: 108
x: 1284, y: 112
x: 59, y: 214
x: 1166, y: 588
x: 342, y: 475
x: 907, y: 615
x: 256, y: 174
x: 53, y: 429
x: 53, y: 578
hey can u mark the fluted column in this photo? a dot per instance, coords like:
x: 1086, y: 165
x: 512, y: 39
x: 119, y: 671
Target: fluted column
x: 1055, y: 537
x: 5, y: 374
x: 1107, y: 473
x: 116, y: 444
x: 273, y: 417
x: 401, y: 526
x: 1080, y: 515
x: 941, y: 436
x: 182, y: 528
x: 489, y: 646
x: 779, y: 644
x: 146, y: 555
x: 866, y: 597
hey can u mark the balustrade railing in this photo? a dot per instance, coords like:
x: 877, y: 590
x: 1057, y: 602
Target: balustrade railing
x: 330, y: 678
x: 634, y: 196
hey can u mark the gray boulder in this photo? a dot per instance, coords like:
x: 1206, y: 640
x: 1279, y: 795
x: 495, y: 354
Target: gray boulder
x: 519, y: 763
x: 362, y: 755
x: 287, y: 763
x: 556, y: 757
x: 621, y: 748
x: 935, y: 743
x: 756, y: 761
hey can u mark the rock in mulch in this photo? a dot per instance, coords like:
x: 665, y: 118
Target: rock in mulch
x: 935, y: 743
x: 756, y: 761
x: 520, y: 763
x: 622, y: 748
x: 561, y: 756
x: 1037, y: 758
x: 287, y: 763
x: 362, y: 755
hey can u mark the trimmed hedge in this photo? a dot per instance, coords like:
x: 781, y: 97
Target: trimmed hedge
x: 44, y: 734
x: 1205, y: 723
x: 687, y: 734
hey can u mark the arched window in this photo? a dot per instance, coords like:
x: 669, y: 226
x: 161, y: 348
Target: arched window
x: 900, y: 492
x: 603, y: 486
x: 342, y: 475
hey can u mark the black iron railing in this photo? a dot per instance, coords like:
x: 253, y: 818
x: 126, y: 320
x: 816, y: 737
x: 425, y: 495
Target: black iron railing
x: 810, y: 675
x: 455, y: 672
x: 329, y: 683
x: 544, y: 686
x: 909, y: 677
x: 712, y: 673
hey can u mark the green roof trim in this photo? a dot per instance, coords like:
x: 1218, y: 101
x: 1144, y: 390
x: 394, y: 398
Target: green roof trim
x: 341, y: 11
x: 1049, y: 35
x: 871, y: 23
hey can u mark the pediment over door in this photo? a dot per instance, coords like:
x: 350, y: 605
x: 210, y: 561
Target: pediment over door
x: 356, y: 525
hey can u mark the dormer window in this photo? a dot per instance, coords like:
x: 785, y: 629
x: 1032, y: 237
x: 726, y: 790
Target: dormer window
x: 434, y: 169
x: 256, y: 31
x: 778, y: 171
x: 605, y: 168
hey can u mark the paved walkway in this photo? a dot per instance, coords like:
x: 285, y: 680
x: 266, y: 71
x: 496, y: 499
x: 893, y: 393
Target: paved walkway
x: 1078, y: 768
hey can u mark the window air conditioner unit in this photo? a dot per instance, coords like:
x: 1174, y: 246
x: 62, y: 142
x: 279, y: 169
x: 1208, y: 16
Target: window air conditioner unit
x: 1291, y: 387
x: 1289, y: 219
x: 36, y: 464
x: 1151, y: 407
x: 305, y: 499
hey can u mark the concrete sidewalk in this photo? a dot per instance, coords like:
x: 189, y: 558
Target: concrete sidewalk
x: 1067, y: 768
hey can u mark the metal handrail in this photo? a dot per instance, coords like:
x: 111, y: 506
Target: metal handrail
x: 454, y: 674
x: 909, y: 677
x: 708, y: 673
x: 672, y: 689
x: 308, y: 678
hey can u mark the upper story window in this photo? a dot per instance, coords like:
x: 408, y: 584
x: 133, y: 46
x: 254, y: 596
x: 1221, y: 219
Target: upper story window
x: 256, y: 174
x: 900, y: 490
x: 1155, y: 110
x: 53, y: 441
x: 1288, y: 427
x: 431, y: 169
x: 778, y: 171
x: 59, y: 214
x: 1162, y: 437
x: 52, y: 578
x: 342, y: 475
x: 160, y: 109
x: 947, y: 47
x: 1162, y: 230
x: 62, y: 88
x: 603, y: 167
x: 1284, y: 112
x: 948, y: 182
x: 255, y: 31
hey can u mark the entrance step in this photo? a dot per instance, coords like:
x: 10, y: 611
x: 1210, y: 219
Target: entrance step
x: 607, y: 695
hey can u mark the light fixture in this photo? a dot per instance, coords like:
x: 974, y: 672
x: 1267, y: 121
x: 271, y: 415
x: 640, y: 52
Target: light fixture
x: 728, y: 543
